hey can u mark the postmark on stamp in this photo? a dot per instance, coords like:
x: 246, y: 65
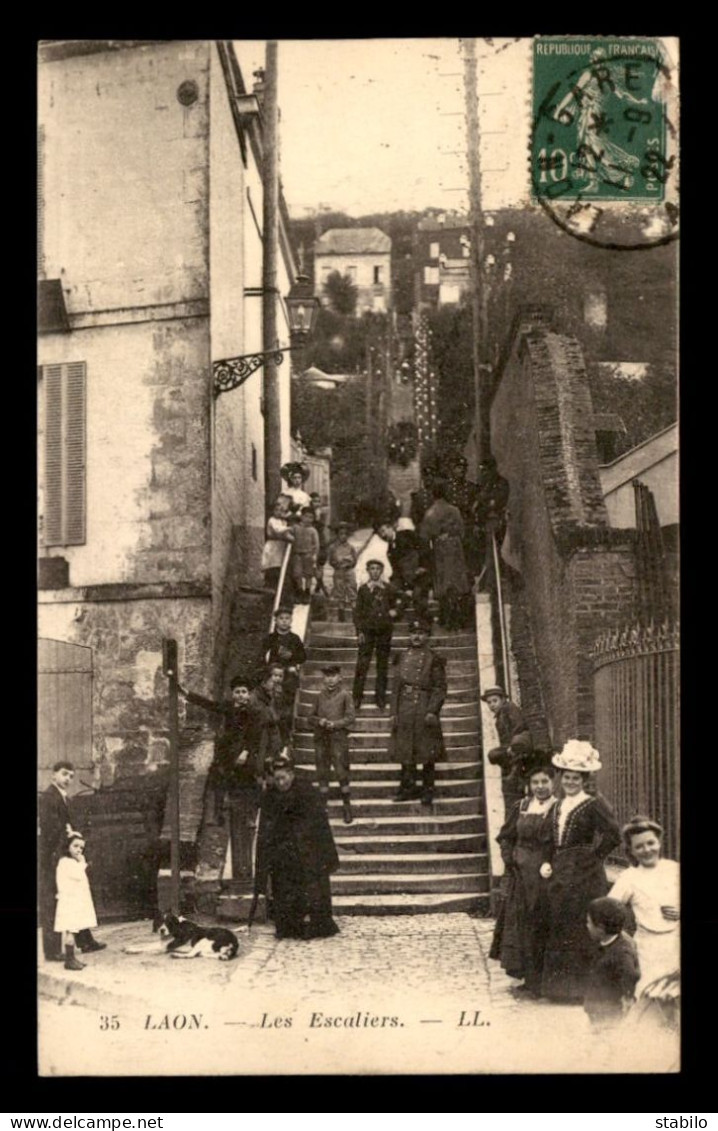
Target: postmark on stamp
x: 603, y: 143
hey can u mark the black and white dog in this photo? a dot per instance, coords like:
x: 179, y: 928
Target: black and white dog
x: 187, y: 939
x: 195, y: 941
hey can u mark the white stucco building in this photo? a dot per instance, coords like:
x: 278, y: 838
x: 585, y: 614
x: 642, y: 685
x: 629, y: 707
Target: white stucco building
x: 364, y: 255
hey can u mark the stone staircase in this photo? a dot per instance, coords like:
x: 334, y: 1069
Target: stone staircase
x: 399, y: 857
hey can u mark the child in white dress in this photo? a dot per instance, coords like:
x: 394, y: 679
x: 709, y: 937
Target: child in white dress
x: 75, y: 910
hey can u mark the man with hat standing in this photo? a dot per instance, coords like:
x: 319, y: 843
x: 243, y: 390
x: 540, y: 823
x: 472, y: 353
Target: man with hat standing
x: 377, y: 607
x: 515, y: 742
x: 235, y: 766
x: 418, y: 694
x: 285, y: 648
x: 332, y: 718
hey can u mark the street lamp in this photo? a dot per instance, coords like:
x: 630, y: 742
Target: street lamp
x: 302, y: 307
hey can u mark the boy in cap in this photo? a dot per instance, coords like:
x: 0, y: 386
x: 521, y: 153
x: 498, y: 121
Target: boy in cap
x: 515, y: 742
x: 342, y: 558
x: 235, y: 765
x: 377, y: 607
x: 332, y: 718
x: 285, y: 648
x: 418, y: 694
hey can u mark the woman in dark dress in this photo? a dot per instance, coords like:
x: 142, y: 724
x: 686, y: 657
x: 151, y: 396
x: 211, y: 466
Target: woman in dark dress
x: 520, y: 935
x: 584, y: 831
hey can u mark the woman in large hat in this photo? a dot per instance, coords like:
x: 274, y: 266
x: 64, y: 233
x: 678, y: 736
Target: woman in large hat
x: 583, y: 832
x: 520, y: 935
x: 295, y: 476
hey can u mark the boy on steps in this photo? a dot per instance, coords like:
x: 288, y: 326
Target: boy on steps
x: 332, y: 718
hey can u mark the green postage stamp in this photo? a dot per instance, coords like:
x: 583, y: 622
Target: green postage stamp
x: 600, y: 120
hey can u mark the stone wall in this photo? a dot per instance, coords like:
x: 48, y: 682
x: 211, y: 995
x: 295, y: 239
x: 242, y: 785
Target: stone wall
x: 124, y: 627
x: 571, y: 576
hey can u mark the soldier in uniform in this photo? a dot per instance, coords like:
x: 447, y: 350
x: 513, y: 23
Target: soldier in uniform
x: 418, y: 694
x: 464, y: 494
x: 377, y: 607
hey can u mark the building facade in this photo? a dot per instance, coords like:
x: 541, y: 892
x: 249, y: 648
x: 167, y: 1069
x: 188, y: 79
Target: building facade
x: 442, y: 251
x: 364, y: 256
x: 152, y: 507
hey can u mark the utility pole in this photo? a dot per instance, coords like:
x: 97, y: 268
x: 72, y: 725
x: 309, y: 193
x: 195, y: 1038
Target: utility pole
x: 478, y: 298
x: 270, y: 243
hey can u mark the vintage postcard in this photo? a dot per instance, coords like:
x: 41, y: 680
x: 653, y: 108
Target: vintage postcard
x: 358, y: 556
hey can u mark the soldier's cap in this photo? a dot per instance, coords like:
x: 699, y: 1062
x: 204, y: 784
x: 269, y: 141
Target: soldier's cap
x: 493, y: 691
x: 375, y: 561
x: 283, y: 609
x: 418, y: 624
x: 242, y: 679
x: 331, y: 669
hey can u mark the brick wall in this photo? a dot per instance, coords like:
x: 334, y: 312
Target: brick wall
x: 571, y: 574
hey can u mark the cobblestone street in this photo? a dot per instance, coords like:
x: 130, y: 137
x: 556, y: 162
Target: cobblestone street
x: 388, y: 995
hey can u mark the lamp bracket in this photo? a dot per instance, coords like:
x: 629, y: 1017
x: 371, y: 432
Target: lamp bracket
x: 231, y: 372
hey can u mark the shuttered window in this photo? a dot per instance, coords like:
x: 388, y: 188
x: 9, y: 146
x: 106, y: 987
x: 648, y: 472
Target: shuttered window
x: 63, y: 391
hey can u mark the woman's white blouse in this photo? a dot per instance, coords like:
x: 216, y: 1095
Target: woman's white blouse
x: 566, y: 806
x: 649, y: 889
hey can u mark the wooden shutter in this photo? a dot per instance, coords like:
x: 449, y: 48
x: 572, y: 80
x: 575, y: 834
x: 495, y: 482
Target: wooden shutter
x: 64, y: 477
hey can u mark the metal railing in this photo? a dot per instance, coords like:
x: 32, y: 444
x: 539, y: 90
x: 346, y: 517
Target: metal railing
x: 636, y: 672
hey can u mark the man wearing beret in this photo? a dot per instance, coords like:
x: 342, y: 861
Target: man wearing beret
x: 418, y: 694
x: 377, y: 607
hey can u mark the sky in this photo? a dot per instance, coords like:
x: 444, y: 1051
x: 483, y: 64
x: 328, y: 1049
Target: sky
x: 379, y: 124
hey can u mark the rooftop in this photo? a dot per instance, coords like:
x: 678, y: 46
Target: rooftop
x: 352, y: 241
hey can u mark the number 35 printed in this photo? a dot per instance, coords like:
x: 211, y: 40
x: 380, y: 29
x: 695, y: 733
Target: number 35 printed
x: 109, y: 1021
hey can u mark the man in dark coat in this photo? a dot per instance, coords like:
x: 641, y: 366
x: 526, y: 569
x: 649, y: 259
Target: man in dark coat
x: 377, y: 607
x: 297, y: 854
x: 409, y: 569
x: 515, y: 742
x: 236, y: 767
x: 55, y: 826
x: 464, y: 494
x: 418, y: 694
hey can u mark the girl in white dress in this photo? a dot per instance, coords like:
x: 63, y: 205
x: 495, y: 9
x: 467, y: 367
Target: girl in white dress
x: 651, y: 889
x: 75, y: 910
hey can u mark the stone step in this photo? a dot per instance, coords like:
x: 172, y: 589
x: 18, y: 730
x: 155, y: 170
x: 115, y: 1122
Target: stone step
x: 408, y: 883
x: 461, y: 693
x: 408, y: 819
x: 385, y: 807
x: 234, y: 908
x: 304, y: 740
x: 399, y: 864
x: 453, y: 668
x: 442, y: 844
x: 451, y: 724
x: 365, y: 756
x: 413, y: 903
x: 369, y: 712
x: 385, y: 790
x: 337, y: 653
x: 389, y: 771
x: 334, y: 629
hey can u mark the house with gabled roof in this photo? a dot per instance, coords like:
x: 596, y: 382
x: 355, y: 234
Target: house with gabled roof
x: 362, y: 254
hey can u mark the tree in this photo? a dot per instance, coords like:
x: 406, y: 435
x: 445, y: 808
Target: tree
x: 342, y: 293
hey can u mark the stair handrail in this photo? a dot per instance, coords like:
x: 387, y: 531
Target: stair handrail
x: 502, y: 615
x: 280, y: 584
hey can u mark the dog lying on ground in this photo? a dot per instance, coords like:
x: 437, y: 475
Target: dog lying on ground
x: 188, y: 939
